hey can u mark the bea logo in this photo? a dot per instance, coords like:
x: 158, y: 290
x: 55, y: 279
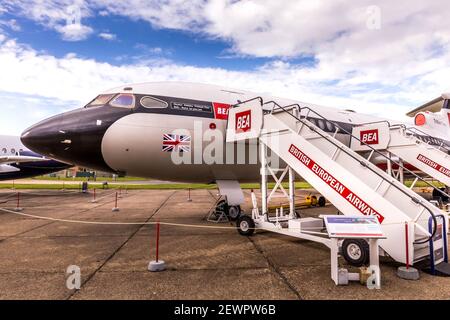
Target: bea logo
x: 221, y: 110
x: 243, y: 121
x: 369, y: 136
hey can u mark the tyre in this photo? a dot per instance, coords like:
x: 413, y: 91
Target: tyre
x: 245, y: 225
x: 356, y: 252
x: 322, y: 201
x: 234, y: 212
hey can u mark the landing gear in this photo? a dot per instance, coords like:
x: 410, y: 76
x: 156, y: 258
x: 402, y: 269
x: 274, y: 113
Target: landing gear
x: 232, y: 212
x: 322, y: 201
x: 245, y: 225
x: 356, y: 252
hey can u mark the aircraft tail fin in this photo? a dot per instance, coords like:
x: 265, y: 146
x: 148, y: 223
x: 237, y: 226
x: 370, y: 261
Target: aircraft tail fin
x: 434, y: 105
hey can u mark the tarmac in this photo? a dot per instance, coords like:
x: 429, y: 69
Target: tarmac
x: 202, y: 263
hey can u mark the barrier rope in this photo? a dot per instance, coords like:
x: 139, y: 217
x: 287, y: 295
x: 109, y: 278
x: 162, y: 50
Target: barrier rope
x: 150, y: 222
x: 114, y: 191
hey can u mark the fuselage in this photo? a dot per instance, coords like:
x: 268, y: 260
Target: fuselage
x: 138, y: 129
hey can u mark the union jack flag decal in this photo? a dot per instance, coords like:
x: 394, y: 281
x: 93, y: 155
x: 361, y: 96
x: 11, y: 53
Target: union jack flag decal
x: 176, y: 142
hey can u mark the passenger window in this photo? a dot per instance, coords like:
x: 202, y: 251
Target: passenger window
x: 150, y: 102
x: 124, y: 100
x: 4, y: 150
x: 13, y: 151
x: 100, y: 100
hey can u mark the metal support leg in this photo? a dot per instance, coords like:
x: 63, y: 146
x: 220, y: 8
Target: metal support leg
x: 375, y: 262
x: 291, y: 193
x: 263, y: 160
x: 334, y: 260
x: 400, y: 171
x: 389, y: 164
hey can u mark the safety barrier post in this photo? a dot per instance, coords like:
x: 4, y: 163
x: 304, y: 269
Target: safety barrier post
x: 407, y: 245
x: 94, y: 200
x: 157, y: 241
x: 18, y: 208
x: 189, y: 195
x: 116, y: 208
x: 157, y: 265
x: 407, y: 272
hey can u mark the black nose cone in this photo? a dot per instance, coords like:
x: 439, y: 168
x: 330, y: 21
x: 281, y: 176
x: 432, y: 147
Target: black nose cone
x: 74, y: 137
x: 44, y: 137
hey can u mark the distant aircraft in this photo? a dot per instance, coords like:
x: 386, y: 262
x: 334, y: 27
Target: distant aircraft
x: 434, y: 117
x: 17, y: 161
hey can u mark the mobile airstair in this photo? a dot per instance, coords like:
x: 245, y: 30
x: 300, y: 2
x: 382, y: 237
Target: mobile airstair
x: 410, y: 145
x: 354, y: 185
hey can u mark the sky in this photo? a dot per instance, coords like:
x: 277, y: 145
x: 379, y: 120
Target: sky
x: 377, y: 57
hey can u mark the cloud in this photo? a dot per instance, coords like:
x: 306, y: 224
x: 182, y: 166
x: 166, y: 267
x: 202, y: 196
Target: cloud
x: 384, y: 71
x: 10, y: 24
x: 74, y: 32
x: 107, y: 36
x: 62, y: 16
x: 72, y: 81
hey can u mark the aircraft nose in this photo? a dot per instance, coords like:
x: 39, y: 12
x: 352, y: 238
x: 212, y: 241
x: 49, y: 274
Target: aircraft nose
x: 74, y: 137
x: 43, y: 137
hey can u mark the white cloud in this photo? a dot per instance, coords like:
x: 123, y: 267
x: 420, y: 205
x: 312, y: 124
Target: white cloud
x: 107, y: 36
x: 384, y: 71
x: 10, y: 24
x: 75, y: 81
x: 63, y: 16
x: 74, y: 32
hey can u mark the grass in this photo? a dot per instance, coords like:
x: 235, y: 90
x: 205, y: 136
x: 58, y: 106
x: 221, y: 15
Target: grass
x: 69, y: 183
x: 81, y: 179
x: 76, y: 186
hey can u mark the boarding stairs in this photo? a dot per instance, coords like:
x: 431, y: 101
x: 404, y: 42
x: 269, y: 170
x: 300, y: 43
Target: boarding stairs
x: 406, y: 143
x: 353, y: 184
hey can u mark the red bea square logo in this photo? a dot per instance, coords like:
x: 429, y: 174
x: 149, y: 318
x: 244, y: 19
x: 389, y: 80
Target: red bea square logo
x: 221, y: 110
x: 243, y: 121
x: 369, y: 136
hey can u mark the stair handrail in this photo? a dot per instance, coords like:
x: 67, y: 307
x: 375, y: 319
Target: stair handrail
x: 422, y: 133
x: 415, y: 200
x: 365, y: 144
x: 411, y: 131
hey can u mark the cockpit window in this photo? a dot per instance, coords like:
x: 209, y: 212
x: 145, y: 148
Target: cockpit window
x: 123, y: 100
x: 150, y: 102
x: 100, y: 100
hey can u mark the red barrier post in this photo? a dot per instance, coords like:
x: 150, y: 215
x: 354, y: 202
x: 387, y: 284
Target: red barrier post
x: 407, y: 245
x: 157, y: 265
x: 18, y: 208
x: 95, y: 199
x: 157, y: 241
x: 116, y: 208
